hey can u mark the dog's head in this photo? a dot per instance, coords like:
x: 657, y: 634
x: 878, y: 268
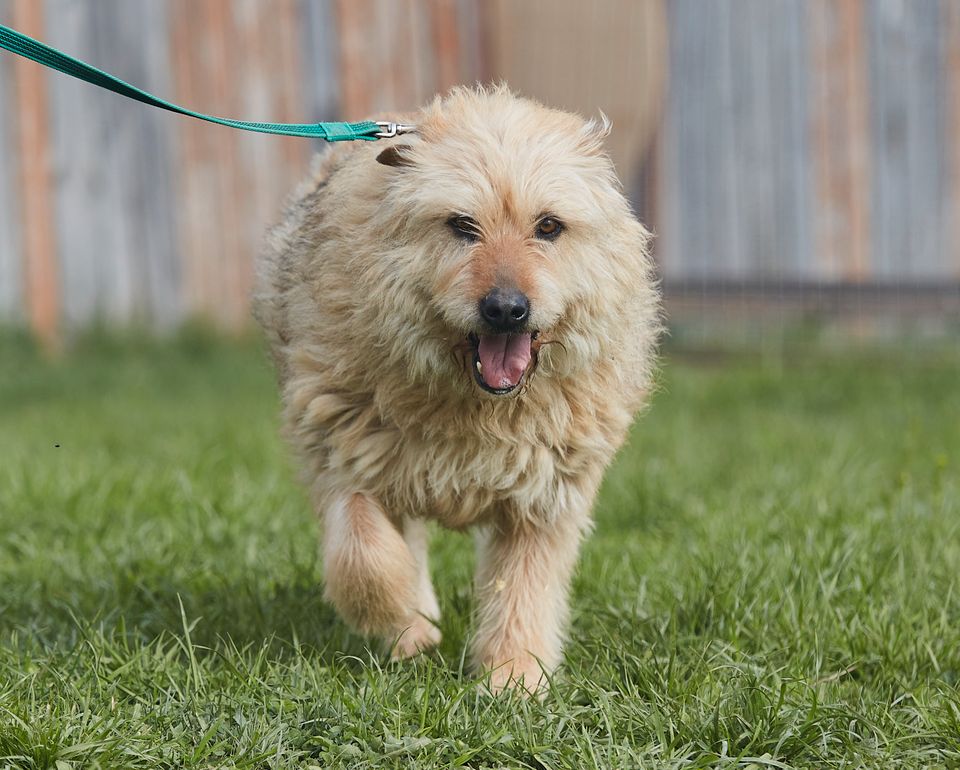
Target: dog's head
x: 508, y: 231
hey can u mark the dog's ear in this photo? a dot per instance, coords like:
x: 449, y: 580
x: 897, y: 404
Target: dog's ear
x: 594, y: 132
x: 394, y: 156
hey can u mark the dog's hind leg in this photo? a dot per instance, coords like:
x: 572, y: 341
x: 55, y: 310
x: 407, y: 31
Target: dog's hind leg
x: 371, y: 575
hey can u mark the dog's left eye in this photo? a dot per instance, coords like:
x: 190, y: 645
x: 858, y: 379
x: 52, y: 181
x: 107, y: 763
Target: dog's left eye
x: 549, y: 228
x: 465, y: 228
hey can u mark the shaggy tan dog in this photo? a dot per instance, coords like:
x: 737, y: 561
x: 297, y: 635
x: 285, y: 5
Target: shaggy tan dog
x: 463, y: 332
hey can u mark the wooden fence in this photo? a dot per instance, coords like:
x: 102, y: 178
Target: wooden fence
x: 768, y: 142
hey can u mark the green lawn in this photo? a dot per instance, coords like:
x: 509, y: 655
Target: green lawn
x: 774, y: 579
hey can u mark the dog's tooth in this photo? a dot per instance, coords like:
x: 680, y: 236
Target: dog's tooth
x: 479, y: 367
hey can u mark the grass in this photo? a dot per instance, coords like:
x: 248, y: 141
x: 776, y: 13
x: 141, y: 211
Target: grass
x: 774, y: 579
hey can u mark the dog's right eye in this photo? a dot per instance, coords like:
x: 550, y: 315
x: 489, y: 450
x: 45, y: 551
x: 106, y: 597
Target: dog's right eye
x: 465, y: 228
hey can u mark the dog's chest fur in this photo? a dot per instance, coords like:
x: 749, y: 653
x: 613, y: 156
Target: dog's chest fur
x: 458, y: 462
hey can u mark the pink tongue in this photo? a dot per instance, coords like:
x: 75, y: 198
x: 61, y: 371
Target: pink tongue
x: 504, y: 358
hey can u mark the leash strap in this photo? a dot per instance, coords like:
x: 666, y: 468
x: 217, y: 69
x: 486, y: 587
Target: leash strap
x: 20, y: 44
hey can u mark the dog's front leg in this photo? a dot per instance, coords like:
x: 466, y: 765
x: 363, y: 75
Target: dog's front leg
x: 523, y: 578
x: 376, y: 574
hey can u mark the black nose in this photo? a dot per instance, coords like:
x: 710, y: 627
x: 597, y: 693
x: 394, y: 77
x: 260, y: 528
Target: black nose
x: 505, y: 310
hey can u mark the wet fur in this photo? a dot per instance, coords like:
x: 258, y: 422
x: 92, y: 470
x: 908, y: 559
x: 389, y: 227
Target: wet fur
x: 367, y: 299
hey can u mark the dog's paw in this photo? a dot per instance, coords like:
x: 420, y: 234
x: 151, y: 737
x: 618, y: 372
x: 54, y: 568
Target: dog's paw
x: 420, y: 636
x: 524, y: 676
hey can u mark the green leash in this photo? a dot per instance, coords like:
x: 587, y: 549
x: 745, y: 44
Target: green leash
x: 20, y: 44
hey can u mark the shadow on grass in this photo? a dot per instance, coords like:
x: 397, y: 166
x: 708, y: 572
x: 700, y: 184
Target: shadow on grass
x: 286, y: 618
x: 282, y: 619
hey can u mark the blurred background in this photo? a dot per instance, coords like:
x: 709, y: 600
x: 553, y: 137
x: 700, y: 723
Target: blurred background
x: 799, y: 160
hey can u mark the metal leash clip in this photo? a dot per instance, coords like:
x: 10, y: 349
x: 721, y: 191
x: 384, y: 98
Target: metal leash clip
x: 389, y: 130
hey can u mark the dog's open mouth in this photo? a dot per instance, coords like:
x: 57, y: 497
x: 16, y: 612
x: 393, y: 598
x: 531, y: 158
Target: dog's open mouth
x: 500, y: 361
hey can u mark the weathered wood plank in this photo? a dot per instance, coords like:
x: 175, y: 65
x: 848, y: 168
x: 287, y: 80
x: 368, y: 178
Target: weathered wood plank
x: 950, y: 14
x: 269, y: 77
x: 115, y: 201
x: 768, y: 174
x: 353, y: 18
x: 288, y: 87
x: 153, y: 198
x: 403, y: 66
x: 200, y: 244
x: 470, y: 42
x: 80, y: 142
x: 11, y: 268
x: 105, y: 249
x: 444, y: 43
x: 118, y: 42
x: 396, y: 55
x: 320, y: 60
x: 928, y: 154
x: 772, y: 145
x: 40, y: 267
x: 908, y: 95
x: 421, y: 58
x: 734, y: 195
x: 699, y: 231
x: 791, y: 114
x: 221, y: 90
x: 841, y: 138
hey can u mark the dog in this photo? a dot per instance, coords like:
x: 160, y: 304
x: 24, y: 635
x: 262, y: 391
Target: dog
x: 464, y: 324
